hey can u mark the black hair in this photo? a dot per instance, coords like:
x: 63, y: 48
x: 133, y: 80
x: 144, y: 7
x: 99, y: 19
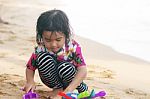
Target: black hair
x: 54, y: 21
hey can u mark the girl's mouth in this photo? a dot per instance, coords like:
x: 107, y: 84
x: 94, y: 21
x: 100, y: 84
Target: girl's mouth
x: 55, y: 50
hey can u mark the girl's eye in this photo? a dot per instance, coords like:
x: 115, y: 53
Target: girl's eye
x: 58, y: 40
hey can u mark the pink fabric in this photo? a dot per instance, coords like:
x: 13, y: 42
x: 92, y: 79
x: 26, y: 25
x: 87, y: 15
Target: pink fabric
x: 29, y: 64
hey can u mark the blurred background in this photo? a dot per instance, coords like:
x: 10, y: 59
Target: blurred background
x: 123, y: 25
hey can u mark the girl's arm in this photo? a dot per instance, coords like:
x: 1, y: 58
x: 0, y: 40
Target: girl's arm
x: 79, y: 77
x: 29, y: 75
x: 30, y: 85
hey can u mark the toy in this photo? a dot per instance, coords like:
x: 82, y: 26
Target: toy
x: 83, y: 95
x: 100, y: 94
x: 65, y: 96
x: 30, y: 95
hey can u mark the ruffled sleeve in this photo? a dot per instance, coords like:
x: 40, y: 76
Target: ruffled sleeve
x: 31, y: 64
x: 78, y: 57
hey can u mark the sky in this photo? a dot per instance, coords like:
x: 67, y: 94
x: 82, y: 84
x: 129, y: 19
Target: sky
x: 122, y: 24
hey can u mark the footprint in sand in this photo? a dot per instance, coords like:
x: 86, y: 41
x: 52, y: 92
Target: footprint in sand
x: 7, y: 35
x: 3, y: 22
x: 107, y: 74
x: 1, y: 42
x: 3, y: 55
x: 4, y: 77
x: 93, y: 73
x: 2, y: 93
x: 137, y: 93
x: 10, y: 87
x: 134, y: 92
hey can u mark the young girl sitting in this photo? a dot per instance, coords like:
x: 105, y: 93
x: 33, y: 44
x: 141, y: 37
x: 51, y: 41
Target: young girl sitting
x: 57, y: 57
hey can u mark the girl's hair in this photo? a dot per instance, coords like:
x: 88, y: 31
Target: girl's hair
x: 53, y: 20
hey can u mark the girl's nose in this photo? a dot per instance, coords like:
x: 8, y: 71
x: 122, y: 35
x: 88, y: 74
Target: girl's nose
x: 53, y: 44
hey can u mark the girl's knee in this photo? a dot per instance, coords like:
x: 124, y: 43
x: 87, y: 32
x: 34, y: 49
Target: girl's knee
x: 66, y: 67
x: 66, y: 71
x: 43, y: 57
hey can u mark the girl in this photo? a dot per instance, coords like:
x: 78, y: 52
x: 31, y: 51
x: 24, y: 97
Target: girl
x: 57, y: 57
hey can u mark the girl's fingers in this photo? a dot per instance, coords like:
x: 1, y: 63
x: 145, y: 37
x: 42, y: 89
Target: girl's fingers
x: 23, y: 89
x: 33, y: 88
x: 26, y: 89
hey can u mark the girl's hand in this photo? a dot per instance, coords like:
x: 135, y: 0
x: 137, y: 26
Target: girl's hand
x: 29, y: 87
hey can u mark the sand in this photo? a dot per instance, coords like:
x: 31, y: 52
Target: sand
x: 121, y: 76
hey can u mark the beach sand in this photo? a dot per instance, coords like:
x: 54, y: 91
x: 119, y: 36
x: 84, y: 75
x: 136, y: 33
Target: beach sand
x: 121, y: 76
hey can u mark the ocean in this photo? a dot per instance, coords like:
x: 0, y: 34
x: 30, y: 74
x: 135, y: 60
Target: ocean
x: 123, y: 25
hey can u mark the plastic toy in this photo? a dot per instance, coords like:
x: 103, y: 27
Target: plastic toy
x: 100, y: 94
x: 30, y: 95
x: 83, y: 95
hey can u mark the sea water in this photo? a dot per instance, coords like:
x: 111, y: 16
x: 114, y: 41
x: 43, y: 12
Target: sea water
x: 123, y: 25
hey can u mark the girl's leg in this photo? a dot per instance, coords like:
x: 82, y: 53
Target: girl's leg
x: 48, y: 70
x: 67, y: 72
x: 82, y: 87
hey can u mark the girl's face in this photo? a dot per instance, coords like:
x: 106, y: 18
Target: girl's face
x: 53, y: 41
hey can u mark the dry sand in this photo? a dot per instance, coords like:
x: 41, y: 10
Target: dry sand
x: 121, y: 76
